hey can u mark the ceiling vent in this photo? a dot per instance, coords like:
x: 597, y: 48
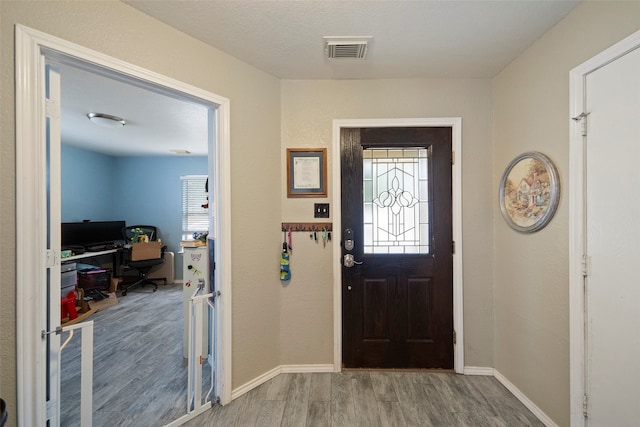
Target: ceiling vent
x: 346, y: 47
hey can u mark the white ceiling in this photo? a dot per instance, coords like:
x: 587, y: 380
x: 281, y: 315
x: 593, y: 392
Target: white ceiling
x: 410, y: 39
x: 427, y: 38
x: 155, y: 123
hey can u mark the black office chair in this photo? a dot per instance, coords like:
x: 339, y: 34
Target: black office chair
x: 145, y: 253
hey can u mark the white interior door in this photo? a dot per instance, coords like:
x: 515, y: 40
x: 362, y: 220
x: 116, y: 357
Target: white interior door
x: 52, y: 338
x: 612, y: 298
x: 53, y: 331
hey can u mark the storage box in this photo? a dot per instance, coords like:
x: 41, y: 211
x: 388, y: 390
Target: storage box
x: 94, y: 279
x: 67, y: 266
x: 67, y: 282
x: 146, y: 250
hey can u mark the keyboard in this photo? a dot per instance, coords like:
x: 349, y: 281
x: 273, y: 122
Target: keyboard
x: 104, y: 247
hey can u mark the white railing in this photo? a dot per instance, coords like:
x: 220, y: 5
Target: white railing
x: 196, y: 315
x: 86, y: 370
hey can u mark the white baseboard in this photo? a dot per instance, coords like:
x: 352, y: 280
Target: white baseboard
x: 477, y: 370
x: 246, y: 387
x: 544, y: 418
x: 282, y: 369
x: 300, y: 369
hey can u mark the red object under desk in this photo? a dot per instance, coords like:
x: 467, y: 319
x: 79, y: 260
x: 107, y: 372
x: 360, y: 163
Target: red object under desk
x: 68, y: 306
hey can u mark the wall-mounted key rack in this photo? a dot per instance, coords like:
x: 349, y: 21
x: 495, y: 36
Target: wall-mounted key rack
x: 307, y: 226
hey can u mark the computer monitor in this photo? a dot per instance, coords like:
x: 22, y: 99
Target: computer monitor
x: 89, y: 233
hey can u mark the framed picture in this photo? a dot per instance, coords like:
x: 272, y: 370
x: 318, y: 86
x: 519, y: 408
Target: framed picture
x: 529, y: 192
x: 306, y: 172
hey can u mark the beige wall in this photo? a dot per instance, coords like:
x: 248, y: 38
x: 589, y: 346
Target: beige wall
x: 516, y: 317
x: 122, y: 32
x: 531, y: 113
x: 308, y: 109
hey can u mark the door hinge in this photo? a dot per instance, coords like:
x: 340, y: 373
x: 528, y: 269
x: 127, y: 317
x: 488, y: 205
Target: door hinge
x: 455, y: 337
x: 585, y: 406
x: 582, y: 120
x: 453, y: 157
x: 52, y: 109
x: 48, y: 410
x: 52, y: 258
x: 585, y: 265
x: 453, y: 246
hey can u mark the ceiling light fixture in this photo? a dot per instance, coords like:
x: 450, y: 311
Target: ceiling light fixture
x: 106, y: 120
x: 180, y: 151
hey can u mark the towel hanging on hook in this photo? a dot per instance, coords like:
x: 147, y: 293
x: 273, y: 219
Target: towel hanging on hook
x: 285, y: 272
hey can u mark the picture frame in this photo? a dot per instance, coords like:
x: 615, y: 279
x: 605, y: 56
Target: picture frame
x: 306, y: 172
x: 529, y: 192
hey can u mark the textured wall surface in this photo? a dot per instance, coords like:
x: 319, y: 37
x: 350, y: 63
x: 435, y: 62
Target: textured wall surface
x: 118, y: 30
x: 531, y: 113
x: 308, y: 111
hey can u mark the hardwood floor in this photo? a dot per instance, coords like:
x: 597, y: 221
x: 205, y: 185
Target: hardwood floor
x: 140, y: 380
x: 373, y: 398
x: 139, y: 376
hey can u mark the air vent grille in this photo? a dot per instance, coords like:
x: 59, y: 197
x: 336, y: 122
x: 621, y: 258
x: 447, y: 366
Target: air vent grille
x: 346, y: 49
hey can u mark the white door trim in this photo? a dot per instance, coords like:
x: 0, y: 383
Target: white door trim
x: 455, y: 123
x: 31, y: 48
x: 577, y: 231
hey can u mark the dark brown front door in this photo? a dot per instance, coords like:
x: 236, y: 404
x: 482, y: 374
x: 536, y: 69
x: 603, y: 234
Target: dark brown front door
x: 397, y: 294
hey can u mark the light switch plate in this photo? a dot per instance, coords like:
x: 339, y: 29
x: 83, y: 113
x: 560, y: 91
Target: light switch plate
x: 321, y: 210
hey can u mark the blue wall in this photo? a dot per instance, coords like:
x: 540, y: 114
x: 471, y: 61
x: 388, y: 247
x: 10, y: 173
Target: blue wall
x: 139, y: 190
x: 87, y: 185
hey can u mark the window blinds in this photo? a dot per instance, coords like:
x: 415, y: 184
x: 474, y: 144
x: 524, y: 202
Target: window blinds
x: 195, y: 218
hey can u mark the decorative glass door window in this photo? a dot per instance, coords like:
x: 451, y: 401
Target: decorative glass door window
x: 396, y: 201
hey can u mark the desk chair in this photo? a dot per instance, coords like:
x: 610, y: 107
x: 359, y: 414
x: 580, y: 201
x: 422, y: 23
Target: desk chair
x: 146, y: 253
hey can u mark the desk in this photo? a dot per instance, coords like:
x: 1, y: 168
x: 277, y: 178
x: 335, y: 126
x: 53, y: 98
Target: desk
x: 90, y: 255
x: 165, y: 271
x: 116, y: 259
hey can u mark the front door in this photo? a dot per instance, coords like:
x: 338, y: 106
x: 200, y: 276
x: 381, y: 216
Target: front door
x: 397, y: 274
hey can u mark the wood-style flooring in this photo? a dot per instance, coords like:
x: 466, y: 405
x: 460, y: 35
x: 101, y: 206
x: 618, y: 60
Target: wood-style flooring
x: 140, y: 375
x: 373, y: 398
x: 140, y: 380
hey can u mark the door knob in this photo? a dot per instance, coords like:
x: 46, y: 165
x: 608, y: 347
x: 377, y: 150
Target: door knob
x: 349, y: 261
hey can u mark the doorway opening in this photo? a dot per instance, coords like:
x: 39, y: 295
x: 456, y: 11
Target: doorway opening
x: 35, y: 259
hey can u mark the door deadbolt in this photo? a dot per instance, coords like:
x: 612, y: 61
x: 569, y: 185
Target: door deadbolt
x: 348, y: 239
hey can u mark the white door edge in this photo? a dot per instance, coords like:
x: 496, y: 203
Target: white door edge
x: 31, y: 46
x: 577, y: 235
x: 455, y: 123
